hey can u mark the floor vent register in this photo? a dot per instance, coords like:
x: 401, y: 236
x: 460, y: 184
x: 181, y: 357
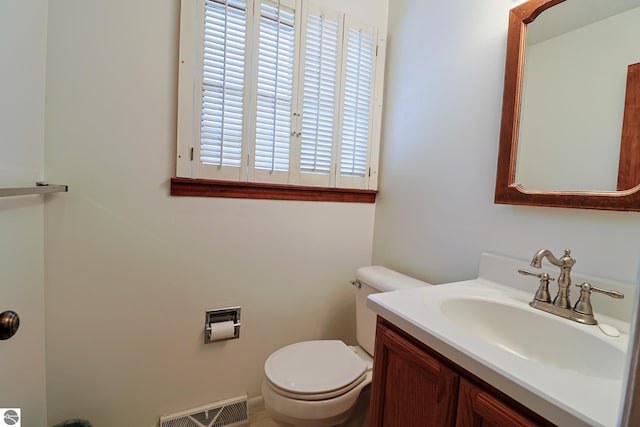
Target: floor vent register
x: 225, y: 413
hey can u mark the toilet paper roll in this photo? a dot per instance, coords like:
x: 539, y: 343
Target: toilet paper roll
x: 222, y: 330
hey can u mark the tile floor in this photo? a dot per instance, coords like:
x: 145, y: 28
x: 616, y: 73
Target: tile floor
x: 261, y: 419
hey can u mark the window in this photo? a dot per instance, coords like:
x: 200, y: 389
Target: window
x: 281, y: 92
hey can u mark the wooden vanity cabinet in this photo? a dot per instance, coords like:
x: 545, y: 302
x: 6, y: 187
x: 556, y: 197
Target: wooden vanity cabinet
x: 413, y: 386
x: 410, y: 387
x: 479, y: 408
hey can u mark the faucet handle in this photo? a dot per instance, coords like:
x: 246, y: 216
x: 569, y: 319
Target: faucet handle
x: 542, y: 294
x: 583, y: 305
x: 541, y: 276
x: 588, y: 287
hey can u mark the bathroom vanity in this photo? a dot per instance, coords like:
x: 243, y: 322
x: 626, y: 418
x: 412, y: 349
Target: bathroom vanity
x: 414, y: 386
x: 476, y: 353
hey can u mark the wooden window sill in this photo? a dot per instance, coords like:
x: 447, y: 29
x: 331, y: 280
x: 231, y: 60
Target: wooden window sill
x: 253, y: 190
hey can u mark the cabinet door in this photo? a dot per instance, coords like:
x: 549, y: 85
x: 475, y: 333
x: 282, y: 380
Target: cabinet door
x: 410, y: 388
x: 479, y: 408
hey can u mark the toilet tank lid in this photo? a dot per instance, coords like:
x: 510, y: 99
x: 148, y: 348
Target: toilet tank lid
x: 386, y: 280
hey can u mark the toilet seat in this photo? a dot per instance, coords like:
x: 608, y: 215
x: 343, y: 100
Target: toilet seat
x: 314, y: 370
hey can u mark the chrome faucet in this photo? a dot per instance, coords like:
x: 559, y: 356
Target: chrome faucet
x: 582, y: 312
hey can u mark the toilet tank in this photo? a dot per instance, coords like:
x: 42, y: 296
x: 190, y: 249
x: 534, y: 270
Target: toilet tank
x: 371, y: 280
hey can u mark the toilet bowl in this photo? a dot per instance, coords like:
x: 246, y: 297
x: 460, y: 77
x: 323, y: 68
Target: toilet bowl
x: 315, y: 383
x: 318, y: 383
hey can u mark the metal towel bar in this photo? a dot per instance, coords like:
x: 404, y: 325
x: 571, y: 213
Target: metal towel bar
x: 40, y: 188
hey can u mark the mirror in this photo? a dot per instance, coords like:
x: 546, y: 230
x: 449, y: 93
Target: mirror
x: 555, y: 68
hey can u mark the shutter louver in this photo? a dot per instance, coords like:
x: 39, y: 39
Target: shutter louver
x: 320, y: 75
x: 357, y: 103
x: 221, y: 130
x: 274, y: 94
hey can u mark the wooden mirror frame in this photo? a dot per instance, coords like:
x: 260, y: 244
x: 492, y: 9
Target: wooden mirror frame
x: 507, y: 190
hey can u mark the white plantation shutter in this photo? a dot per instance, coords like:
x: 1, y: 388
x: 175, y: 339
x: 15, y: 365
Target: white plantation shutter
x: 357, y: 102
x: 223, y: 74
x: 320, y: 84
x: 274, y: 90
x: 279, y: 91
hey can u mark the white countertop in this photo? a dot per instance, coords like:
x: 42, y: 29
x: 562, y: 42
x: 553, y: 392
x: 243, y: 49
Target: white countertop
x: 563, y: 395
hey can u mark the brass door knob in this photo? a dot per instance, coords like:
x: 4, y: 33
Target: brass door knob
x: 9, y: 323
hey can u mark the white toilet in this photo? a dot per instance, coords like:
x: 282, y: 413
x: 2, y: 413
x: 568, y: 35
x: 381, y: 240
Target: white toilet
x: 317, y: 383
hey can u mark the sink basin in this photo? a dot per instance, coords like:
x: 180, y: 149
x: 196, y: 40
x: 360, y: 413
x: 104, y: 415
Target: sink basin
x: 537, y: 336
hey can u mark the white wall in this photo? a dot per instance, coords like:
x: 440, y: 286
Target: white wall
x: 435, y: 212
x: 130, y: 270
x: 22, y: 77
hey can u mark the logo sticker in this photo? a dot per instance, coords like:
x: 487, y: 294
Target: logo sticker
x: 10, y: 417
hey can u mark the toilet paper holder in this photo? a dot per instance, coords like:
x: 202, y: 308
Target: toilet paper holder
x: 219, y: 316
